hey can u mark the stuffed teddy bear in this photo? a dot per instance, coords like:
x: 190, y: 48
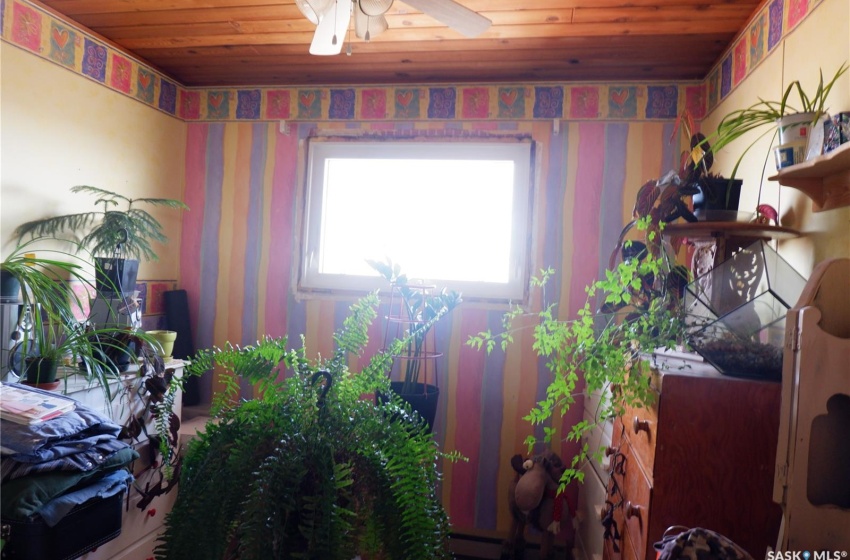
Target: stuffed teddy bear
x: 534, y: 499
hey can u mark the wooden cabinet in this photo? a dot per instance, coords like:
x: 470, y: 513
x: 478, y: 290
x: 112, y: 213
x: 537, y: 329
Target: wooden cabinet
x: 701, y: 456
x: 813, y: 458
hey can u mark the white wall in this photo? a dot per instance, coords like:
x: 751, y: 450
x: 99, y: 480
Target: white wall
x: 60, y: 129
x: 822, y: 41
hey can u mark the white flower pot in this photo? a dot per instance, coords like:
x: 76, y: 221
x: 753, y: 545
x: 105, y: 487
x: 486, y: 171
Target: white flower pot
x: 800, y: 128
x: 795, y: 128
x: 790, y: 154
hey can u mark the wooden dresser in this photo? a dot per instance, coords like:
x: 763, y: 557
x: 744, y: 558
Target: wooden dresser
x: 701, y: 456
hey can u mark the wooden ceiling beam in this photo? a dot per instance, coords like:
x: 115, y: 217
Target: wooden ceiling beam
x: 306, y: 77
x: 597, y: 56
x: 282, y: 12
x: 220, y: 34
x: 76, y: 7
x: 628, y: 43
x: 206, y: 42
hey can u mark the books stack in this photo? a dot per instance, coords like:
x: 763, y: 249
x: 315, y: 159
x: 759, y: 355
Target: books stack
x: 28, y: 407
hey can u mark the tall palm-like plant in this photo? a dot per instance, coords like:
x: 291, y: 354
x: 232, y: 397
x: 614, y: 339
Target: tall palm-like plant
x: 110, y: 230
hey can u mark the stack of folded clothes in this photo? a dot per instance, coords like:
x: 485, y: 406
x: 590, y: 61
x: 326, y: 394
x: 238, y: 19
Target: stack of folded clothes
x: 56, y: 469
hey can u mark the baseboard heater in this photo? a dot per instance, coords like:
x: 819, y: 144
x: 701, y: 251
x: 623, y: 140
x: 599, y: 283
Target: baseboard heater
x: 466, y: 546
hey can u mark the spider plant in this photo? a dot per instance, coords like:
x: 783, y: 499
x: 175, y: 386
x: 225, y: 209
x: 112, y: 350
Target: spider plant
x: 756, y: 116
x: 47, y: 297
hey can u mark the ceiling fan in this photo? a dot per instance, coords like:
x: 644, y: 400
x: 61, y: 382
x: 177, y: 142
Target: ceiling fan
x: 332, y: 18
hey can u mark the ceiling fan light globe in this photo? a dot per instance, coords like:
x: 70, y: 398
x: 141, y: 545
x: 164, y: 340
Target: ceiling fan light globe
x: 313, y: 10
x: 366, y: 27
x: 374, y: 8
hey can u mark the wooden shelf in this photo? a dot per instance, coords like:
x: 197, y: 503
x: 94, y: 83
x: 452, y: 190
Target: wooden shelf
x: 825, y: 179
x: 729, y: 229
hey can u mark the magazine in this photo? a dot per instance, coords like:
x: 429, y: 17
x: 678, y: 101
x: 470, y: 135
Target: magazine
x: 25, y: 406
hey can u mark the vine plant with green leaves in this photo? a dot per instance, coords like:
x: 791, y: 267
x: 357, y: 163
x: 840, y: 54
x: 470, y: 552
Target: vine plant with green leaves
x: 305, y: 471
x: 603, y: 345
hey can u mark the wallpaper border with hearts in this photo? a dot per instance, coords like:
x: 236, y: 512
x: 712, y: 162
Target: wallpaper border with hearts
x: 39, y: 31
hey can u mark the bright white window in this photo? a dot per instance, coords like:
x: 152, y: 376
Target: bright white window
x: 453, y: 213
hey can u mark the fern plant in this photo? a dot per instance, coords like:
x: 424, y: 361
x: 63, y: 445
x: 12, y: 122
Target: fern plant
x: 603, y: 346
x: 306, y: 470
x: 110, y: 231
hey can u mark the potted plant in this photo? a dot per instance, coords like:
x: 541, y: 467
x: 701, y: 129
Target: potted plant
x: 49, y: 301
x: 633, y: 310
x: 306, y: 469
x: 113, y: 235
x: 416, y: 307
x: 782, y: 114
x: 714, y: 198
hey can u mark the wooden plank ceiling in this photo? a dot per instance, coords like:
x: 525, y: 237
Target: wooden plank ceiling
x: 266, y: 42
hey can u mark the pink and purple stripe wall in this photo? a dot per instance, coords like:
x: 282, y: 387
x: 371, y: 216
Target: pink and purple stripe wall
x: 239, y: 245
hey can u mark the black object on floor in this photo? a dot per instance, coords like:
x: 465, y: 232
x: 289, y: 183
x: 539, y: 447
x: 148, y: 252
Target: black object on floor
x: 85, y: 528
x: 177, y: 318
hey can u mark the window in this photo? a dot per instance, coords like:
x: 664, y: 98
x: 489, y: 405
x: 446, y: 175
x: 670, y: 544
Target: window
x: 453, y: 213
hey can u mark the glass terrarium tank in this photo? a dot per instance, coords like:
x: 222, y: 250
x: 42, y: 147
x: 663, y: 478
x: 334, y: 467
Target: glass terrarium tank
x: 737, y: 312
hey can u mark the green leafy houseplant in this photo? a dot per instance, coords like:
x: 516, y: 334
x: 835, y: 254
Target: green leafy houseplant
x: 741, y: 121
x: 50, y: 303
x: 604, y: 344
x: 305, y: 471
x: 104, y: 231
x: 420, y: 308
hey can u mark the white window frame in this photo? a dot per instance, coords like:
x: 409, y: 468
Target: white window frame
x: 521, y: 152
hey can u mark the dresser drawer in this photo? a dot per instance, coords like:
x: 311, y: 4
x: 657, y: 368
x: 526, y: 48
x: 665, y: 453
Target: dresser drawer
x: 631, y: 550
x: 641, y: 428
x: 636, y: 497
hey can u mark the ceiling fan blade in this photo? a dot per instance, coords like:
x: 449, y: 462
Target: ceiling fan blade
x: 458, y: 17
x: 332, y: 23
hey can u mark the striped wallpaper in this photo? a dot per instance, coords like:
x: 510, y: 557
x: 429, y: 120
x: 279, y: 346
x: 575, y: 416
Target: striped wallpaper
x: 238, y: 247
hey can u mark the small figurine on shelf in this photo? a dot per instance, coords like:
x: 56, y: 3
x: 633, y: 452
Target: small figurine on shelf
x: 765, y: 214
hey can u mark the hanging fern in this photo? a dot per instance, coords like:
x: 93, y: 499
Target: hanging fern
x: 305, y: 471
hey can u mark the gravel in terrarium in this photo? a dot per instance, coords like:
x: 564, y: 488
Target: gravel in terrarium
x: 741, y: 357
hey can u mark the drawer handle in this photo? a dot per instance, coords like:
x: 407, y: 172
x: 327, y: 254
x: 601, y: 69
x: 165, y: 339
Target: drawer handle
x: 632, y: 510
x: 640, y: 425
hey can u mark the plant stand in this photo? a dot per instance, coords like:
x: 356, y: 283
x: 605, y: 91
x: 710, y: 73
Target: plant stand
x: 415, y: 367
